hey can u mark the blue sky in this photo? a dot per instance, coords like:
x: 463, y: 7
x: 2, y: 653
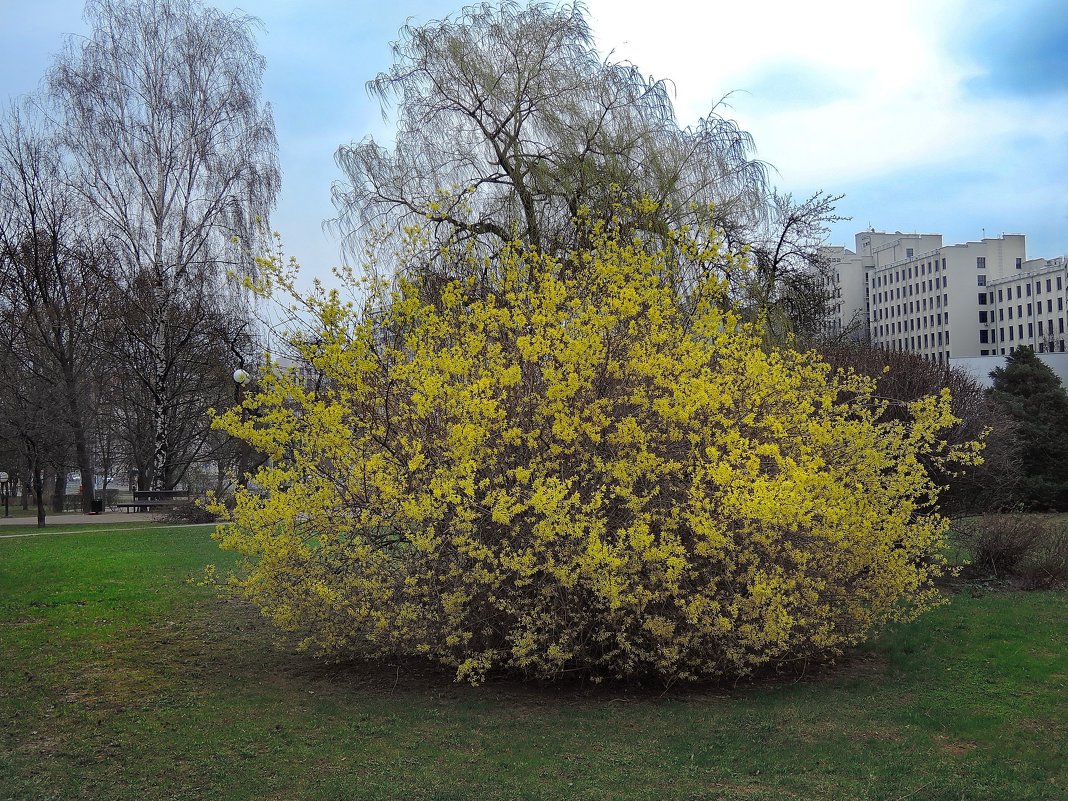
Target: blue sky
x: 941, y: 116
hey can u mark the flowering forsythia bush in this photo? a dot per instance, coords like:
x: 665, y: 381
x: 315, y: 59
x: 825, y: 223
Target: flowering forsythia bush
x: 572, y: 473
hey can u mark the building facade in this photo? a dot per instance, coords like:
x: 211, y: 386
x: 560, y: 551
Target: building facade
x: 913, y: 293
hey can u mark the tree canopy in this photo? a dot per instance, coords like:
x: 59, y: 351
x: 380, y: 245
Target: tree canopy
x: 512, y: 127
x: 173, y: 152
x: 510, y: 123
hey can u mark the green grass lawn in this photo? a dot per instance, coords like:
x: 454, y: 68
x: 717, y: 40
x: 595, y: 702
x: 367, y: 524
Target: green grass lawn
x: 119, y: 679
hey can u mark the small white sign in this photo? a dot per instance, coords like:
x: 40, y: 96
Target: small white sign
x: 3, y: 477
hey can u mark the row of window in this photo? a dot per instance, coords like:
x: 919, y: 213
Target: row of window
x: 902, y: 327
x: 909, y: 345
x: 985, y: 317
x: 901, y: 309
x: 900, y: 292
x: 1045, y: 328
x: 1027, y: 287
x: 1054, y: 347
x: 905, y: 274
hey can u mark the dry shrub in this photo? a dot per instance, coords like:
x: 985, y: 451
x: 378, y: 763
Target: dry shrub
x: 188, y: 512
x: 1047, y: 563
x: 1001, y: 542
x: 1020, y: 546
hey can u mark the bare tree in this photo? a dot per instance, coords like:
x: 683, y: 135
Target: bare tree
x: 51, y: 277
x: 208, y: 331
x: 512, y: 126
x: 175, y: 156
x: 29, y: 424
x: 784, y: 287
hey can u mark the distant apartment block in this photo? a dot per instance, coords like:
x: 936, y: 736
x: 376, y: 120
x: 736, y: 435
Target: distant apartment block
x: 910, y: 292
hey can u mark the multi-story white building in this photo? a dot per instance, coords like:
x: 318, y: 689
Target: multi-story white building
x: 1027, y: 309
x: 910, y: 292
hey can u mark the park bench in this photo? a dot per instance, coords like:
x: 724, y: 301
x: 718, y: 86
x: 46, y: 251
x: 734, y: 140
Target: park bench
x: 151, y: 500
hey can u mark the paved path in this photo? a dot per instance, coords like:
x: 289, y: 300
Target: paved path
x: 58, y: 523
x: 76, y: 518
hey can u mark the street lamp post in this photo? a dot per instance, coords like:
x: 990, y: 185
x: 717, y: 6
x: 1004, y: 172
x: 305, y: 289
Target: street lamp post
x: 4, y: 480
x: 241, y: 378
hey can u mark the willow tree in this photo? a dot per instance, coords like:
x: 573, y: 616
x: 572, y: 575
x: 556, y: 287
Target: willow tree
x: 510, y: 125
x: 175, y: 154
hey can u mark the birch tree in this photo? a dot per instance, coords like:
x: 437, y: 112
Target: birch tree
x: 174, y: 153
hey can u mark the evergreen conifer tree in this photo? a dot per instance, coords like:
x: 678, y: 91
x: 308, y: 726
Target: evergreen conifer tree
x: 1033, y: 395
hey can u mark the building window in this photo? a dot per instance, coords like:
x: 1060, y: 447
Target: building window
x: 908, y: 253
x: 1000, y: 298
x: 1038, y: 287
x: 1058, y: 283
x: 980, y: 262
x: 1001, y: 314
x: 982, y: 316
x: 945, y: 301
x: 1019, y: 262
x: 1049, y: 306
x: 1017, y: 292
x: 1001, y: 334
x: 1060, y: 304
x: 1010, y: 312
x: 1028, y: 289
x: 1060, y: 327
x: 982, y: 298
x: 1030, y: 330
x: 1019, y: 310
x: 984, y: 336
x: 1049, y: 284
x: 1021, y: 330
x: 984, y: 352
x: 982, y: 282
x: 1010, y: 333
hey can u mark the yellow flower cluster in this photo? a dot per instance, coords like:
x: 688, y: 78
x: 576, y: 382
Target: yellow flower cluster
x: 569, y: 468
